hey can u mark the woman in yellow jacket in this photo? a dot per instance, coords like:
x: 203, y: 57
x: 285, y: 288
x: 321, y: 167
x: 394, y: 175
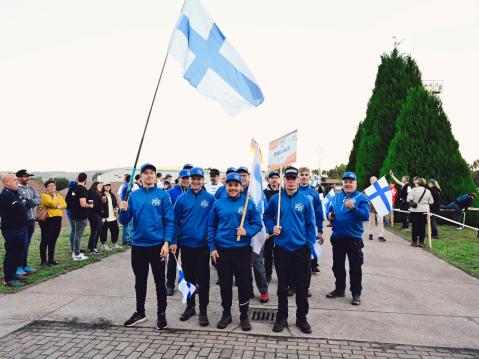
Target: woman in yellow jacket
x: 50, y: 228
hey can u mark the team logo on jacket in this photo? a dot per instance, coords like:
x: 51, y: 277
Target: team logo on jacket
x: 299, y: 207
x: 156, y: 202
x: 240, y: 210
x: 204, y: 204
x: 310, y: 197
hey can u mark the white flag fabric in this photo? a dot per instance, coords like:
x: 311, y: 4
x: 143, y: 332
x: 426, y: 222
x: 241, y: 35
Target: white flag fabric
x: 256, y: 193
x: 380, y: 195
x: 327, y: 201
x: 186, y: 288
x: 316, y: 251
x: 210, y: 63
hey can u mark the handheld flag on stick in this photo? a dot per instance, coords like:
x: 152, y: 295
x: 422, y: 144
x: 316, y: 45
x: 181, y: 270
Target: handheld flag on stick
x: 210, y: 63
x: 327, y: 201
x: 380, y: 195
x: 316, y: 253
x: 185, y: 287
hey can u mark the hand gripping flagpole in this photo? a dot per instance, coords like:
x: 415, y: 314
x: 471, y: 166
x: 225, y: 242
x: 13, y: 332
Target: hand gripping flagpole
x: 130, y: 184
x: 245, y: 208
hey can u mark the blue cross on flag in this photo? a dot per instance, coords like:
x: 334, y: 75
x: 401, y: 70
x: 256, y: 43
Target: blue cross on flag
x: 210, y: 62
x: 327, y: 201
x: 380, y: 195
x: 185, y: 287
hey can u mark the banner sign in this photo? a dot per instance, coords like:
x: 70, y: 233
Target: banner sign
x: 282, y: 152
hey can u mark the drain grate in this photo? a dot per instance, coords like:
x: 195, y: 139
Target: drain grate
x: 262, y: 314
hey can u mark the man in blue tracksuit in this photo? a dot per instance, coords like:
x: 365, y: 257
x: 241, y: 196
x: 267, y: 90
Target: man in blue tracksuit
x: 347, y: 213
x: 233, y: 256
x: 182, y: 187
x: 294, y: 240
x: 192, y: 210
x: 151, y: 211
x: 221, y: 192
x: 304, y: 187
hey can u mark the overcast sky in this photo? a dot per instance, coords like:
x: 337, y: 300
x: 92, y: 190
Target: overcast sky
x: 77, y: 78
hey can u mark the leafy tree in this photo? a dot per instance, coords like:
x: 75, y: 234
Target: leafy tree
x: 396, y: 74
x: 424, y: 146
x: 38, y: 180
x: 61, y: 183
x: 336, y: 172
x: 354, y: 151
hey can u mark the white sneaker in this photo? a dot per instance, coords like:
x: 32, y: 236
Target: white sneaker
x: 80, y: 257
x: 116, y: 246
x: 106, y: 248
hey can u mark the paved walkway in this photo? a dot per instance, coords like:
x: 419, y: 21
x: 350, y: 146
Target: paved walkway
x: 410, y: 297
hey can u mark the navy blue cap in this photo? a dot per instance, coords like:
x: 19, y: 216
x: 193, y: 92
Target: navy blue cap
x: 233, y: 177
x: 184, y: 173
x: 349, y: 175
x: 291, y: 172
x: 147, y: 166
x: 231, y: 170
x: 242, y: 169
x: 273, y: 173
x: 197, y: 171
x: 187, y: 166
x: 168, y: 175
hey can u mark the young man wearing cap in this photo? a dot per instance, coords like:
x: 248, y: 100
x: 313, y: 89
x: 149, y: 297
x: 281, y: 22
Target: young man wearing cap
x: 270, y: 191
x: 14, y: 225
x: 233, y: 257
x: 31, y: 199
x: 294, y: 239
x: 151, y: 211
x: 182, y: 187
x: 192, y: 210
x: 348, y: 211
x: 221, y: 192
x: 76, y: 199
x: 215, y: 184
x: 304, y: 178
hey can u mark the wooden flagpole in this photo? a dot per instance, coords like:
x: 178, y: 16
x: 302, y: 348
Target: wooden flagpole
x: 245, y: 208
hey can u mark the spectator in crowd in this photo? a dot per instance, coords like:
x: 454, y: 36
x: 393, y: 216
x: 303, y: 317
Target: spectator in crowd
x: 221, y: 192
x: 419, y: 200
x: 31, y: 199
x: 403, y: 202
x: 233, y: 257
x: 394, y: 192
x: 126, y: 231
x: 159, y: 180
x: 374, y: 217
x: 187, y: 166
x: 14, y: 226
x: 270, y: 191
x: 461, y: 204
x: 50, y: 228
x: 435, y: 189
x: 70, y: 185
x: 192, y: 210
x: 137, y: 184
x: 215, y: 183
x: 223, y: 179
x: 348, y: 211
x: 167, y: 182
x: 109, y: 217
x: 151, y: 212
x: 294, y: 242
x: 79, y: 209
x: 96, y: 198
x: 182, y: 187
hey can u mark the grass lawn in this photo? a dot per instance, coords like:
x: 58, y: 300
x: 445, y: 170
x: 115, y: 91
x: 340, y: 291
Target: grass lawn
x: 458, y: 247
x: 62, y: 255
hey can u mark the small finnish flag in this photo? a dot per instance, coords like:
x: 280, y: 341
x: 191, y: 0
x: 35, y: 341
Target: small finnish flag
x: 316, y: 251
x: 185, y: 287
x: 380, y: 195
x: 327, y: 201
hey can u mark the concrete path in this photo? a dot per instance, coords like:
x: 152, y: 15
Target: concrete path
x: 410, y: 297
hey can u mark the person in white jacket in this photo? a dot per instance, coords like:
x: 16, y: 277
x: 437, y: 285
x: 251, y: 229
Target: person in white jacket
x: 419, y: 200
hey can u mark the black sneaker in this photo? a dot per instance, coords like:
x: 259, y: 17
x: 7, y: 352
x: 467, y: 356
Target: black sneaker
x: 356, y: 299
x: 135, y: 319
x: 310, y: 294
x: 170, y: 291
x: 291, y: 292
x: 371, y: 237
x: 335, y: 294
x: 224, y: 321
x: 161, y: 322
x: 304, y: 326
x: 315, y: 270
x: 279, y: 326
x: 381, y: 239
x: 188, y: 313
x: 245, y: 324
x: 203, y: 320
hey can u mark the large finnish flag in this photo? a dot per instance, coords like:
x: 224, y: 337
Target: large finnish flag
x: 210, y: 62
x: 185, y: 287
x: 256, y: 193
x: 380, y: 195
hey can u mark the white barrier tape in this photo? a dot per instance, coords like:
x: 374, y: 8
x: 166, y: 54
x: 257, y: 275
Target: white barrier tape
x: 444, y: 218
